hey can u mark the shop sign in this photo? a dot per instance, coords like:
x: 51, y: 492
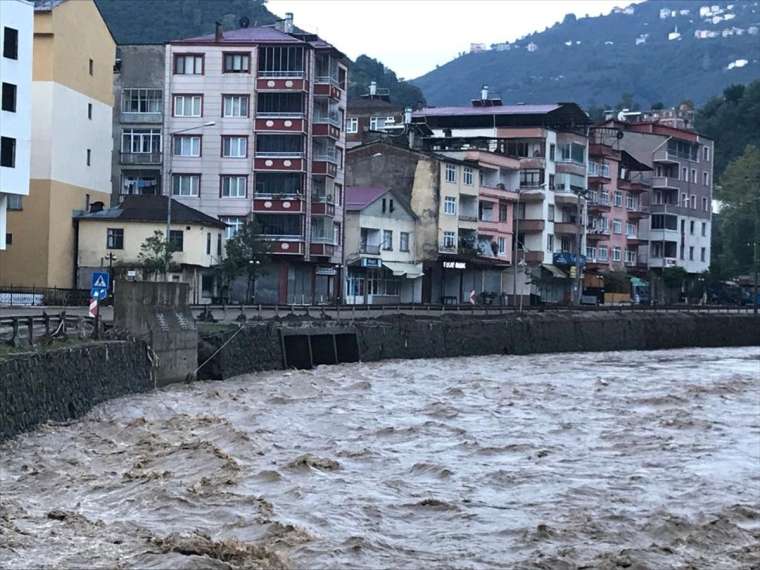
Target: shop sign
x: 326, y: 271
x: 454, y: 265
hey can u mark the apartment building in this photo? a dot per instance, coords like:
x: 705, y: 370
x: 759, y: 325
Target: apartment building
x: 372, y: 115
x: 678, y: 229
x: 464, y: 201
x: 110, y: 239
x: 549, y: 147
x: 71, y: 102
x: 16, y: 37
x: 381, y: 265
x: 615, y: 207
x: 254, y: 122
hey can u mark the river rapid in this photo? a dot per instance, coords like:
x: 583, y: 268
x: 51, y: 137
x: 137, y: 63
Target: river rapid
x: 596, y: 460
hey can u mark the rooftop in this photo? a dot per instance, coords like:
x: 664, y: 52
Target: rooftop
x: 495, y: 110
x: 359, y: 197
x: 260, y: 35
x: 151, y: 209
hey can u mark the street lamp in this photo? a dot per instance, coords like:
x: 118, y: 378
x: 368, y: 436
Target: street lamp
x: 169, y: 190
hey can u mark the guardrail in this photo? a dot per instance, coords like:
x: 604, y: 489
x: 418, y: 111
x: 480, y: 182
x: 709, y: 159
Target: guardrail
x: 32, y: 327
x: 271, y: 311
x: 43, y: 296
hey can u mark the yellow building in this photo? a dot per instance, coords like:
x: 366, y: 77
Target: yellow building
x: 109, y: 239
x: 72, y: 101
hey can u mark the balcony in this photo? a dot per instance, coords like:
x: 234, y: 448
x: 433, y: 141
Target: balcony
x: 569, y: 167
x: 275, y: 162
x: 292, y: 81
x: 322, y: 245
x: 327, y: 87
x: 635, y: 240
x: 140, y: 157
x: 531, y: 257
x: 664, y: 157
x: 565, y: 197
x: 285, y: 245
x: 536, y: 162
x: 468, y: 218
x: 322, y: 166
x: 633, y: 186
x: 326, y: 130
x: 530, y: 226
x: 277, y: 205
x: 369, y: 249
x: 567, y: 228
x: 532, y: 193
x: 127, y: 118
x: 267, y: 122
x: 597, y: 234
x: 636, y: 213
x: 666, y: 182
x: 322, y: 205
x: 599, y: 205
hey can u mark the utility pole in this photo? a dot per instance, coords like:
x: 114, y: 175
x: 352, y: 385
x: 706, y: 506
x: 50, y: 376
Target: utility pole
x: 755, y: 256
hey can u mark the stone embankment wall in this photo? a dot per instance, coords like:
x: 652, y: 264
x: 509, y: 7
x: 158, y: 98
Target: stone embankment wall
x: 259, y: 346
x: 64, y: 384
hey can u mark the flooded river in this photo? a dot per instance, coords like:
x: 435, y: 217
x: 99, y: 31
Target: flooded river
x: 605, y: 460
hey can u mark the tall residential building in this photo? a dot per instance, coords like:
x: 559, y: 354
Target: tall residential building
x: 72, y: 100
x: 549, y: 145
x: 678, y: 229
x: 16, y: 29
x: 254, y: 121
x: 464, y: 201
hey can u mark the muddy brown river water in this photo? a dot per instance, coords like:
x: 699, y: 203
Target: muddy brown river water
x: 608, y: 460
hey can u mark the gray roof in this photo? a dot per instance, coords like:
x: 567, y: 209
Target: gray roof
x: 46, y: 5
x: 151, y: 209
x: 497, y: 110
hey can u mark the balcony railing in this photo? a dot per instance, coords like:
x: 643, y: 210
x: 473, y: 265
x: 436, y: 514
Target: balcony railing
x: 326, y: 156
x: 466, y: 218
x: 279, y: 154
x: 331, y: 119
x: 141, y: 157
x: 277, y: 195
x: 322, y: 198
x: 329, y: 240
x: 333, y: 80
x: 284, y: 114
x: 371, y: 249
x: 281, y: 73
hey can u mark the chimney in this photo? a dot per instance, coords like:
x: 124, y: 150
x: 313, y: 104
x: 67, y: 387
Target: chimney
x: 288, y: 23
x: 372, y: 88
x: 218, y: 32
x: 408, y: 116
x: 484, y: 93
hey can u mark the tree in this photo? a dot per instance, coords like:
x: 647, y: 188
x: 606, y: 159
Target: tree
x: 245, y: 254
x: 740, y: 213
x: 156, y: 254
x: 658, y: 106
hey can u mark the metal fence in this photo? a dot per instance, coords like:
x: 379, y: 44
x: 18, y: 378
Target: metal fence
x: 33, y: 327
x: 43, y: 296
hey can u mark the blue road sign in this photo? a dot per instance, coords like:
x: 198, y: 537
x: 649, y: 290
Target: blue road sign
x: 100, y: 282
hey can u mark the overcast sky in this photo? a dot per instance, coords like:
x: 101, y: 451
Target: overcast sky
x: 412, y: 36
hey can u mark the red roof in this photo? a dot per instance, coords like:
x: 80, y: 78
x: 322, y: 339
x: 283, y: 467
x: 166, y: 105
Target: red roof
x: 359, y: 197
x: 262, y: 35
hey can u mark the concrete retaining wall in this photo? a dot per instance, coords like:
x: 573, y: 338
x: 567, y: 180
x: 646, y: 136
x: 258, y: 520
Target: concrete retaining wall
x: 64, y: 384
x: 258, y: 346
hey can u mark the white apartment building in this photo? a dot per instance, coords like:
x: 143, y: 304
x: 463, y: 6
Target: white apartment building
x: 16, y: 41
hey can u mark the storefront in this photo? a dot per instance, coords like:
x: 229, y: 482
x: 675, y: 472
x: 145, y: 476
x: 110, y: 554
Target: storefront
x: 373, y: 282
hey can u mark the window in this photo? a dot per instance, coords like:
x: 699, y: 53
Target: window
x: 449, y: 240
x: 694, y: 175
x: 219, y: 244
x: 234, y: 147
x: 187, y: 145
x: 176, y: 239
x: 630, y: 256
x: 235, y: 106
x: 188, y: 64
x: 550, y: 243
x: 141, y: 141
x: 352, y: 125
x: 591, y: 252
x: 691, y: 227
x: 531, y: 178
x: 10, y: 43
x: 387, y: 240
x: 630, y: 229
x: 691, y: 253
x: 278, y: 184
x: 234, y: 186
x: 114, y: 238
x: 379, y: 123
x: 280, y: 61
x: 336, y: 233
x: 451, y: 173
x: 617, y: 227
x: 502, y: 246
x: 14, y: 202
x: 703, y: 254
x: 91, y: 67
x: 403, y: 241
x: 617, y: 254
x: 89, y: 111
x: 706, y: 153
x: 338, y: 194
x: 186, y: 184
x: 450, y: 206
x: 281, y: 225
x: 234, y: 224
x: 685, y: 174
x: 603, y: 253
x: 139, y: 183
x: 141, y: 100
x: 706, y: 178
x: 89, y: 157
x: 503, y: 211
x: 188, y: 105
x: 9, y: 97
x: 279, y: 145
x: 618, y: 198
x: 8, y: 152
x: 550, y: 216
x: 630, y: 202
x: 693, y: 202
x: 552, y: 182
x: 237, y: 63
x: 293, y: 104
x: 8, y: 239
x: 704, y: 204
x: 572, y: 152
x: 552, y: 150
x: 685, y: 200
x: 467, y: 175
x: 704, y: 229
x: 208, y: 243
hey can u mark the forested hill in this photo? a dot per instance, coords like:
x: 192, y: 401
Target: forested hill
x: 657, y: 51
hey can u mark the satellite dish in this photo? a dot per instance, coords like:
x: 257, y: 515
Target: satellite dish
x: 244, y: 22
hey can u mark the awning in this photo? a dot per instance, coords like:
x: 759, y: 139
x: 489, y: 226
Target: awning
x: 555, y: 271
x: 411, y: 270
